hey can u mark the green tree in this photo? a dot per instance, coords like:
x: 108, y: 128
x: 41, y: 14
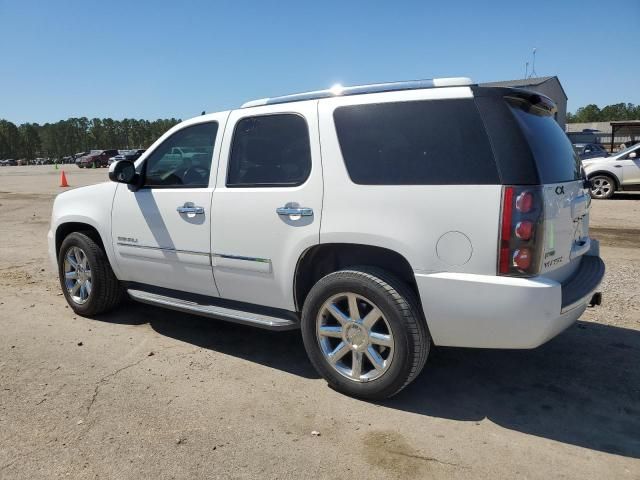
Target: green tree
x: 30, y: 138
x: 609, y: 113
x: 10, y: 142
x: 74, y: 135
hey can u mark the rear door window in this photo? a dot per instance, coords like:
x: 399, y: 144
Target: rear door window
x: 270, y: 151
x: 431, y: 142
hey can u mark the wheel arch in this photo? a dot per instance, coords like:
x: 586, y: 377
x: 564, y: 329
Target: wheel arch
x: 320, y: 260
x: 63, y: 230
x: 608, y: 174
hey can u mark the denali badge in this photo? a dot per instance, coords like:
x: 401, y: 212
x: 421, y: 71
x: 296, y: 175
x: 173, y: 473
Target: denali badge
x: 128, y: 239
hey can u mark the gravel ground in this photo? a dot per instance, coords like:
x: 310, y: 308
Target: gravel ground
x: 144, y: 392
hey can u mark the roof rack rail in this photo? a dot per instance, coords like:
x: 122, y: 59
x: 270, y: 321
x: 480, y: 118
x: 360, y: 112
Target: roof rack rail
x: 339, y: 90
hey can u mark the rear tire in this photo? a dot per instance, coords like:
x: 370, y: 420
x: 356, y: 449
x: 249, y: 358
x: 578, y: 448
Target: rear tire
x: 359, y: 354
x: 87, y: 280
x: 602, y: 187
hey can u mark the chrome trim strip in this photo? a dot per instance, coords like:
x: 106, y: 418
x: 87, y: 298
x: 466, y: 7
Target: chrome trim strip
x: 164, y: 249
x: 240, y: 257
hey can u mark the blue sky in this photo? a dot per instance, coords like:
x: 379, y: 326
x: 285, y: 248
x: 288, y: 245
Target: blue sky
x: 147, y: 59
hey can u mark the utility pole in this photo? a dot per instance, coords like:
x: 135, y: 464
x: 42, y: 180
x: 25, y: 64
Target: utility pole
x: 533, y: 65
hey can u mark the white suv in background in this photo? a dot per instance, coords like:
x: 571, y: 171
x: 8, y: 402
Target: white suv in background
x: 381, y: 220
x: 619, y: 172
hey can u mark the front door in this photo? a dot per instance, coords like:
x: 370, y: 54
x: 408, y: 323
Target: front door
x: 630, y: 167
x: 162, y: 232
x: 267, y: 203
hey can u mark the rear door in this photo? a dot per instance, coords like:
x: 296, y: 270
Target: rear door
x: 630, y: 165
x: 267, y: 203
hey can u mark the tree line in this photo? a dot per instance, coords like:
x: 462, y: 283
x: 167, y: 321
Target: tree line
x: 74, y: 135
x: 593, y: 113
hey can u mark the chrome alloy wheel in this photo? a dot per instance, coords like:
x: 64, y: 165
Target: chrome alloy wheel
x: 77, y: 275
x: 601, y: 187
x: 355, y: 338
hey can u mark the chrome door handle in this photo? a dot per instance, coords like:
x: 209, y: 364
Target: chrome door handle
x: 303, y: 212
x: 191, y: 209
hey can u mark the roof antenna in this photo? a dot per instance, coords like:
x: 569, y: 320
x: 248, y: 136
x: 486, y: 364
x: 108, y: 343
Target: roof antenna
x: 533, y: 65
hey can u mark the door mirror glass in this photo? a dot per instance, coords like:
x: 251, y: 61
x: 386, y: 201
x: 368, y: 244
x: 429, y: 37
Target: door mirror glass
x: 123, y: 171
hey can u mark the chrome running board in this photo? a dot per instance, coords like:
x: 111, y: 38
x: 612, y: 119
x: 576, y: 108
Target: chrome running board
x: 260, y: 320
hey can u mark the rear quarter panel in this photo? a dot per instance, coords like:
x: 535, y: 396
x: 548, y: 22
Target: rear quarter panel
x: 437, y: 228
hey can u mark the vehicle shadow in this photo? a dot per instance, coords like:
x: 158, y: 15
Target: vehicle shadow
x: 280, y: 350
x: 626, y: 196
x: 581, y: 388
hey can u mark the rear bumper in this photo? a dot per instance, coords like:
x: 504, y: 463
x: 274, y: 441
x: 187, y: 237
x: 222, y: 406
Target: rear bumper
x: 482, y: 311
x: 583, y: 283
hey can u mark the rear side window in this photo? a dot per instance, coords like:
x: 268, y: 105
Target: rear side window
x: 270, y: 151
x: 555, y: 158
x: 429, y: 142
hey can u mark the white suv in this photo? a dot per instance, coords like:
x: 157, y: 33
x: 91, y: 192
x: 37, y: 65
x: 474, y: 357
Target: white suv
x: 381, y: 220
x: 620, y: 171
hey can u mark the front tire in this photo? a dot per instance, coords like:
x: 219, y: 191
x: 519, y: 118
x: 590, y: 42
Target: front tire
x: 364, y: 333
x: 87, y: 280
x: 602, y: 187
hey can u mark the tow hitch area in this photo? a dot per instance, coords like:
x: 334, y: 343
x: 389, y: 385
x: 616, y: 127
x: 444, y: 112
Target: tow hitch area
x: 596, y: 299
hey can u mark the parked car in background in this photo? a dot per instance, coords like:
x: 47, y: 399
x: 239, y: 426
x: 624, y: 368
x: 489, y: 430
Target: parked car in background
x: 617, y: 172
x: 96, y: 158
x: 583, y: 137
x: 589, y: 150
x: 10, y: 162
x: 131, y: 155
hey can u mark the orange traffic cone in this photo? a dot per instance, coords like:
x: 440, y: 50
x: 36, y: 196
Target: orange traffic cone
x: 63, y: 179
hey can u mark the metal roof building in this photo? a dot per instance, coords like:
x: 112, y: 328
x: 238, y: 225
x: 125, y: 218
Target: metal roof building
x: 549, y: 86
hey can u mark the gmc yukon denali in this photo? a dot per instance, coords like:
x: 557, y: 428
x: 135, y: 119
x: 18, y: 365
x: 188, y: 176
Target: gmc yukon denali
x: 380, y: 220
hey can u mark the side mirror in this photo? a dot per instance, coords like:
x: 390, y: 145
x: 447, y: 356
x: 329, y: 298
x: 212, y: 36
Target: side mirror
x: 633, y: 155
x: 123, y: 171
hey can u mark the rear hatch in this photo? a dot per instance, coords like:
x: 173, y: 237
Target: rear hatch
x: 565, y: 199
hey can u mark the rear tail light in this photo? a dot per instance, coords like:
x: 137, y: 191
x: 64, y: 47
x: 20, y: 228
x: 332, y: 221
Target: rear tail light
x: 521, y: 231
x: 522, y: 259
x: 524, y: 230
x: 524, y: 202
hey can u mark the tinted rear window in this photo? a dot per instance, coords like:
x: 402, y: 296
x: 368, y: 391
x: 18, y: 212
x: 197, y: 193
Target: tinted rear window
x: 269, y: 151
x: 429, y: 142
x: 555, y: 158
